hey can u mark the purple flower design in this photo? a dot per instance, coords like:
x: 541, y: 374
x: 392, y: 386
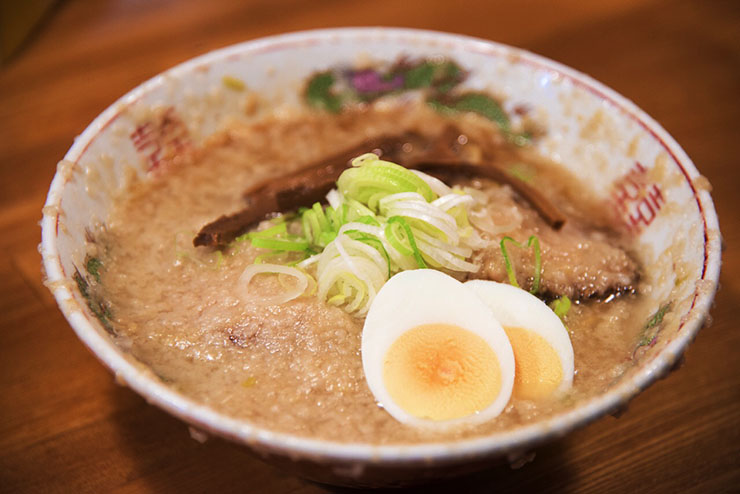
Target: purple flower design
x: 370, y: 81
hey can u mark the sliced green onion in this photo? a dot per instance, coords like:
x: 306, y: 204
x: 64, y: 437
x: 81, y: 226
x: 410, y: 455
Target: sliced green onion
x: 561, y: 306
x: 352, y: 282
x: 462, y: 251
x: 280, y: 244
x: 372, y: 201
x: 321, y: 217
x: 367, y: 220
x: 533, y: 240
x: 371, y: 177
x: 314, y: 227
x: 306, y: 225
x: 335, y: 218
x: 382, y: 219
x: 461, y: 218
x: 444, y: 259
x: 395, y: 238
x: 421, y: 215
x: 354, y: 209
x: 376, y: 244
x: 409, y: 237
x: 325, y: 238
x: 350, y: 248
x: 438, y: 187
x: 453, y: 200
x: 334, y: 199
x: 437, y: 229
x: 255, y: 269
x: 364, y: 159
x: 219, y: 259
x: 336, y: 283
x: 308, y: 262
x: 375, y: 237
x: 273, y: 231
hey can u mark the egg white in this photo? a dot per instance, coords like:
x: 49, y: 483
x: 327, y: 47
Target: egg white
x: 425, y: 296
x: 514, y: 307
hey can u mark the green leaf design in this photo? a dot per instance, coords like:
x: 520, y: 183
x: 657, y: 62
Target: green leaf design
x: 657, y: 318
x: 481, y: 104
x: 450, y: 70
x: 95, y: 303
x: 82, y: 284
x: 420, y: 76
x: 485, y: 106
x: 653, y: 322
x: 318, y: 92
x: 446, y: 87
x: 438, y: 78
x: 93, y: 265
x: 439, y: 106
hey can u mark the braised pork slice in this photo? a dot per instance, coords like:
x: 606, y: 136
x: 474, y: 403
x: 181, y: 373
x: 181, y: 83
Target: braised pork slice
x: 577, y: 261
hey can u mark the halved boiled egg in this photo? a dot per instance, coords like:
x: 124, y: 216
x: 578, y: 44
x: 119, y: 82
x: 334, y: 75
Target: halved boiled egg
x: 433, y: 354
x: 542, y: 348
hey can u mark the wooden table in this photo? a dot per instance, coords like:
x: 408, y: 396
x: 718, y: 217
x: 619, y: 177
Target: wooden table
x: 65, y: 426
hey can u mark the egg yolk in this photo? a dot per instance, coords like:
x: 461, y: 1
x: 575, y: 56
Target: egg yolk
x: 441, y: 372
x: 538, y: 370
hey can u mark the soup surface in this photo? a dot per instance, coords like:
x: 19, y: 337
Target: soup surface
x: 296, y: 367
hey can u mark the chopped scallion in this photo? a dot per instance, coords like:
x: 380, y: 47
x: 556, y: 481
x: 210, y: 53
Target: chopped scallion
x: 375, y: 178
x: 561, y: 306
x: 409, y: 238
x: 321, y: 217
x: 273, y: 231
x: 532, y: 241
x: 295, y: 245
x: 382, y: 219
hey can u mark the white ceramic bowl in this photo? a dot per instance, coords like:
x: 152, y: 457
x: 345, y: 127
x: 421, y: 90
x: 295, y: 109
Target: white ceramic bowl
x: 618, y: 151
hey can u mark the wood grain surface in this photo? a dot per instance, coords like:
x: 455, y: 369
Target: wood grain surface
x: 65, y: 426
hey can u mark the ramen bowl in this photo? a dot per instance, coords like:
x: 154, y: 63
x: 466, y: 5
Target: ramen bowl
x: 621, y: 155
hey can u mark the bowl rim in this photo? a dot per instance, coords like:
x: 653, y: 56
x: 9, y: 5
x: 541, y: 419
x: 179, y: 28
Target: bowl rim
x: 514, y: 440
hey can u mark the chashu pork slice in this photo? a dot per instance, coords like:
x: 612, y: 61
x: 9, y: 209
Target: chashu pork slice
x: 577, y: 261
